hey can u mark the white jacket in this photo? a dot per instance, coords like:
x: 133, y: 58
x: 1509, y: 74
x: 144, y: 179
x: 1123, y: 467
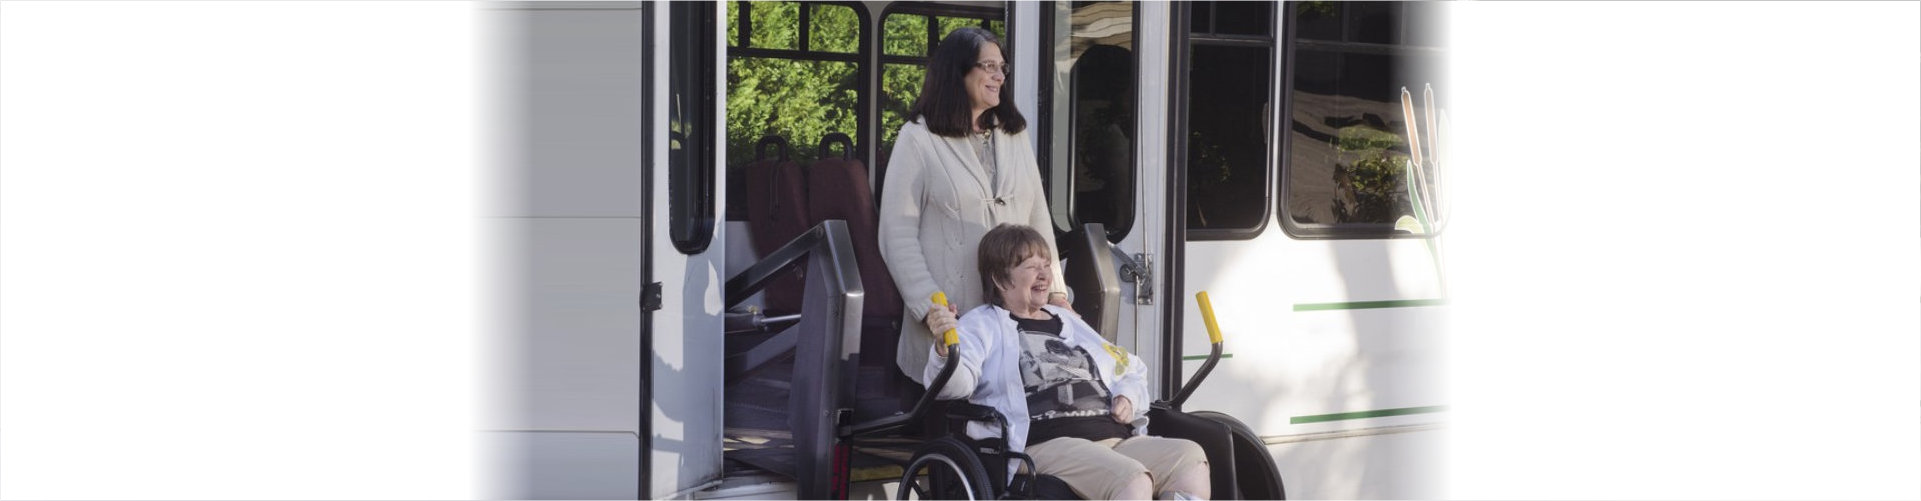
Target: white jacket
x: 989, y: 372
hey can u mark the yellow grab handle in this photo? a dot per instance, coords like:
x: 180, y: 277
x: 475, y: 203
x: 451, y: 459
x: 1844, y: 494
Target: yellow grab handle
x: 1207, y: 314
x: 952, y: 336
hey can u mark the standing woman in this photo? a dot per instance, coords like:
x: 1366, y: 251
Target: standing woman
x: 962, y: 164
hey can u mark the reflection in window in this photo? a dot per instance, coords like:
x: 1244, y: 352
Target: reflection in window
x: 690, y: 149
x: 1228, y: 81
x: 1347, y: 144
x: 1092, y: 88
x: 1243, y: 18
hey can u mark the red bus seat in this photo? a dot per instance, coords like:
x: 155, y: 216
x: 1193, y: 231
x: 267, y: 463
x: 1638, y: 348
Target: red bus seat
x: 776, y: 214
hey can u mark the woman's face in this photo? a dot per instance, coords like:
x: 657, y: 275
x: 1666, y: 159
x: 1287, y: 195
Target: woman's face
x: 1027, y: 284
x: 984, y: 87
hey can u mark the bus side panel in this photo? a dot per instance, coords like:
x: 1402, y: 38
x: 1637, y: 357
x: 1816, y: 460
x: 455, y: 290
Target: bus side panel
x: 1341, y: 340
x: 571, y: 214
x: 1401, y: 465
x: 687, y: 332
x: 687, y: 374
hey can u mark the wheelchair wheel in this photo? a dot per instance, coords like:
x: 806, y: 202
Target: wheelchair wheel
x: 953, y: 471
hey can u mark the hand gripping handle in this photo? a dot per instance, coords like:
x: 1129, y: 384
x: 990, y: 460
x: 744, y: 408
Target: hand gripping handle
x: 951, y: 337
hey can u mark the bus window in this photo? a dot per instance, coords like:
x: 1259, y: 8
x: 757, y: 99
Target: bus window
x: 1092, y: 89
x: 1228, y: 82
x: 800, y: 88
x: 909, y: 32
x: 690, y: 149
x: 1346, y: 137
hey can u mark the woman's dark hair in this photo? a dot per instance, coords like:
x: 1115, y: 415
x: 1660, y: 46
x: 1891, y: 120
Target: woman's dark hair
x: 943, y: 104
x: 1003, y: 248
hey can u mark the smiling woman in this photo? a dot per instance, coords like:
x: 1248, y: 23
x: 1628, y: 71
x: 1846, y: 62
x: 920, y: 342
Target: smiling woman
x: 963, y: 163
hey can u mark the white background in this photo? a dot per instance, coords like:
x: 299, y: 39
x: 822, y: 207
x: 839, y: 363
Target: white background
x: 1684, y: 250
x: 238, y: 250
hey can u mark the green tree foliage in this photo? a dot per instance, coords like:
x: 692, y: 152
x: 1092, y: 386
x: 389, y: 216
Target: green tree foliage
x: 949, y: 24
x: 801, y: 101
x: 905, y: 35
x: 900, y: 84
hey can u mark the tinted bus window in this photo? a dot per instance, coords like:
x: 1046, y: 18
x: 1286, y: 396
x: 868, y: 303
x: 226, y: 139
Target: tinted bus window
x: 1346, y: 134
x: 1089, y: 128
x: 1228, y: 82
x: 690, y: 115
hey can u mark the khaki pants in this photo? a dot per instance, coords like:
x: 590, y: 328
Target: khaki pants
x: 1097, y: 470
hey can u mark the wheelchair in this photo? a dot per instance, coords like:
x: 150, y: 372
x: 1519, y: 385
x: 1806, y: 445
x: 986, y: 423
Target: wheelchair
x: 955, y: 466
x: 845, y: 410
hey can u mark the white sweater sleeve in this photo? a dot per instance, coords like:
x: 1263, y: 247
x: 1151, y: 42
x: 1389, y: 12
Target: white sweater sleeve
x: 973, y: 347
x: 899, y: 217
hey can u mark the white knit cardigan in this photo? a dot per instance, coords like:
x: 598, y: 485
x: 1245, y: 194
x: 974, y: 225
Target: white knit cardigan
x: 937, y: 202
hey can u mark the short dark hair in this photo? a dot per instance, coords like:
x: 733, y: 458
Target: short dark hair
x: 943, y: 101
x: 1003, y: 248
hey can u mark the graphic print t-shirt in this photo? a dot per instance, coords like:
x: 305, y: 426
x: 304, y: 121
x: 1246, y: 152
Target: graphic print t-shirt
x: 1065, y: 394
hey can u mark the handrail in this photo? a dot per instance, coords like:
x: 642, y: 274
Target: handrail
x: 829, y: 327
x: 1213, y: 334
x: 952, y: 340
x: 751, y: 280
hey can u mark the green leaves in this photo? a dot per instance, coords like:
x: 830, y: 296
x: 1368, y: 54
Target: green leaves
x: 805, y: 100
x: 1370, y: 175
x: 799, y: 100
x: 1361, y: 138
x: 906, y: 35
x: 796, y: 99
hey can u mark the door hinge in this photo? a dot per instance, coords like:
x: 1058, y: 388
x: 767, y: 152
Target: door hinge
x: 650, y: 297
x: 1138, y: 270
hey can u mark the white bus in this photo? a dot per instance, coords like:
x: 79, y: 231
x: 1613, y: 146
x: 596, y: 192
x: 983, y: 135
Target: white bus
x: 1286, y: 158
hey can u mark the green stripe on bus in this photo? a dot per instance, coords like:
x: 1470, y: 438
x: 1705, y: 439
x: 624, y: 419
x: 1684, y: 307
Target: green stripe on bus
x: 1363, y: 305
x: 1224, y: 356
x: 1365, y: 414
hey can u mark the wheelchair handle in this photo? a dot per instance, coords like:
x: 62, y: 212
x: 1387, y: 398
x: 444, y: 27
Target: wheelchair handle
x: 1214, y: 357
x: 952, y: 336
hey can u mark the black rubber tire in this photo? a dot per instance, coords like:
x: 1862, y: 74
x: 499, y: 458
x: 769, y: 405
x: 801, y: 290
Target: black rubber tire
x: 953, y: 472
x: 1256, y: 474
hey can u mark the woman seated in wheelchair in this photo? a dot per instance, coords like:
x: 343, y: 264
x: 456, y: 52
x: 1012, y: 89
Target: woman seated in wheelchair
x: 1084, y: 400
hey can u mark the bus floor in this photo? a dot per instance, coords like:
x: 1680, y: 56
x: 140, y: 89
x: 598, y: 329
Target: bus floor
x: 758, y: 444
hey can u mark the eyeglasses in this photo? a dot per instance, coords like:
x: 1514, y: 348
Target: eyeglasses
x: 993, y: 67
